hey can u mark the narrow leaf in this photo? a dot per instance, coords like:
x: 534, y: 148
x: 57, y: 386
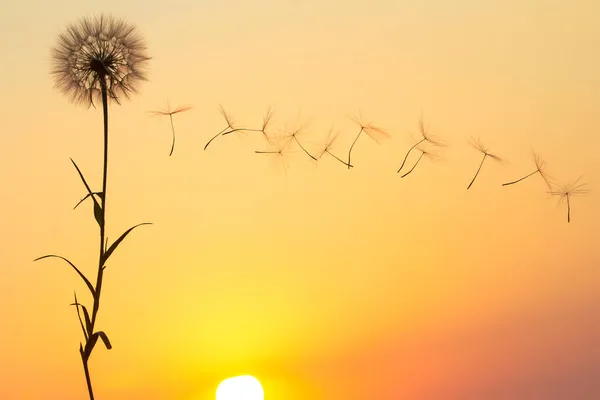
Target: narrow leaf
x: 99, y: 194
x: 89, y: 346
x: 98, y: 214
x: 104, y: 339
x: 97, y: 208
x: 87, y: 282
x: 88, y: 321
x: 119, y: 240
x: 76, y: 304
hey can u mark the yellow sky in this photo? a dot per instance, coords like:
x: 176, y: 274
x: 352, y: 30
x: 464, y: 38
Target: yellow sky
x: 324, y: 283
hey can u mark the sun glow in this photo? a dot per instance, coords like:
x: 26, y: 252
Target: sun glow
x: 244, y: 387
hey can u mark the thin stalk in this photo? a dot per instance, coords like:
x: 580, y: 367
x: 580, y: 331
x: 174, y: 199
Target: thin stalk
x: 339, y: 159
x: 241, y: 130
x: 568, y: 209
x: 519, y: 180
x: 414, y: 166
x: 408, y: 152
x: 172, y: 130
x: 103, y: 201
x: 302, y: 147
x: 214, y: 137
x: 353, y: 143
x: 87, y: 375
x: 478, y: 169
x: 84, y: 353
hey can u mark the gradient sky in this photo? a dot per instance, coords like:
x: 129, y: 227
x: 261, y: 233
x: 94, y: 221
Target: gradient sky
x: 324, y: 283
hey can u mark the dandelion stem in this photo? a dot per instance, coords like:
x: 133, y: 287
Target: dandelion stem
x: 478, y: 169
x: 103, y: 200
x: 302, y: 147
x: 214, y: 137
x: 241, y: 130
x: 353, y: 143
x: 339, y: 159
x: 414, y: 166
x: 172, y: 130
x: 87, y: 375
x: 408, y: 152
x: 519, y: 180
x: 568, y: 209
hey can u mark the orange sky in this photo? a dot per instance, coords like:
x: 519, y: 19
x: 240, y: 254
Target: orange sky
x: 324, y: 283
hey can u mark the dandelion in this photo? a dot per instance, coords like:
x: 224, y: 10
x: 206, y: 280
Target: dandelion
x: 565, y: 192
x: 99, y: 59
x: 424, y: 153
x: 540, y: 165
x: 170, y: 113
x: 331, y: 138
x: 371, y: 130
x: 482, y: 149
x: 426, y: 137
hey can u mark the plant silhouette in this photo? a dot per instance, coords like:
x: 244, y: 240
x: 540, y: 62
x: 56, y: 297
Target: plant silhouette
x: 331, y: 138
x: 426, y: 137
x: 478, y: 145
x: 370, y: 129
x: 540, y: 165
x: 565, y: 192
x: 97, y: 59
x: 170, y: 113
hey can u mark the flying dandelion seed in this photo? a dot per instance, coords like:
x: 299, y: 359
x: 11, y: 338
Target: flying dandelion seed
x: 370, y: 129
x: 267, y: 118
x: 565, y: 192
x: 331, y: 138
x: 230, y: 125
x: 426, y: 137
x: 292, y: 135
x: 540, y: 165
x: 424, y: 153
x: 478, y: 145
x: 280, y: 145
x: 170, y: 113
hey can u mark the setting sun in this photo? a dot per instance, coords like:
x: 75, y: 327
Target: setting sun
x: 240, y: 388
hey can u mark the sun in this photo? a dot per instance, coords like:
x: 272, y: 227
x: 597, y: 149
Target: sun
x: 243, y: 387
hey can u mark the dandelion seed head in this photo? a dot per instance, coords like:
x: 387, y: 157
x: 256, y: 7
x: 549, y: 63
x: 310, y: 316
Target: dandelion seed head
x: 430, y: 154
x: 374, y: 132
x: 572, y: 188
x: 478, y: 145
x: 540, y: 164
x: 97, y: 50
x: 228, y: 118
x: 427, y: 135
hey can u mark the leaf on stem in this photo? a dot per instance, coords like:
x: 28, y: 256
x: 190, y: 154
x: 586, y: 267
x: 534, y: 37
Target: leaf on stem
x: 104, y: 339
x: 98, y: 213
x: 113, y: 246
x: 87, y: 282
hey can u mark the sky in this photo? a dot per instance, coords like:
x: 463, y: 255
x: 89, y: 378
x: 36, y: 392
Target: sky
x: 323, y: 282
